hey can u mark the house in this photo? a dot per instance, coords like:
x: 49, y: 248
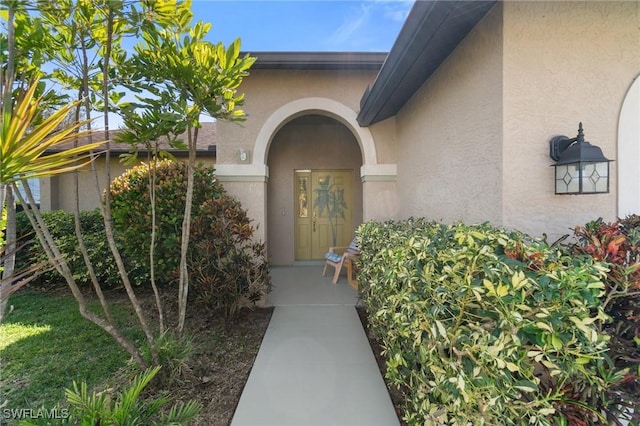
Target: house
x: 56, y: 193
x: 454, y: 123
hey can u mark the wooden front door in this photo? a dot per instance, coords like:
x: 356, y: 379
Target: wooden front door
x: 323, y: 211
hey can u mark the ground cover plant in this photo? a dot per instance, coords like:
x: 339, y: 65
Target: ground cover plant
x: 484, y: 326
x: 129, y: 406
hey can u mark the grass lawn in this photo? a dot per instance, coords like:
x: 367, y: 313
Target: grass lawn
x: 45, y: 345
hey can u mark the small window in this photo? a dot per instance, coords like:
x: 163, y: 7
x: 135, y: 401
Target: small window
x: 34, y: 185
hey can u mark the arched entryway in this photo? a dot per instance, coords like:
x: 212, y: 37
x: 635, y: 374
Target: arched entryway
x: 312, y: 157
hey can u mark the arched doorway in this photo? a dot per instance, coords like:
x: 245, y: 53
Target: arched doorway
x: 629, y: 153
x: 314, y: 160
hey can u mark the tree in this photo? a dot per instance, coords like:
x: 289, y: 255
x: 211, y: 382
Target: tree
x: 23, y: 152
x: 190, y: 76
x: 94, y: 30
x: 177, y: 74
x: 25, y: 134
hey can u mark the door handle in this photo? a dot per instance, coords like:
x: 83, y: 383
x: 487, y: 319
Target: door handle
x: 314, y: 222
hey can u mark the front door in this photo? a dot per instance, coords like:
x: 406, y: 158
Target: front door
x: 323, y: 211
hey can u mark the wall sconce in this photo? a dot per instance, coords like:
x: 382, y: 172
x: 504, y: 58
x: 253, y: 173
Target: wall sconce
x: 243, y: 156
x: 580, y: 167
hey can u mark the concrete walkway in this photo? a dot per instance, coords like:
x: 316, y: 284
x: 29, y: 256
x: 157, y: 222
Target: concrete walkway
x: 315, y: 365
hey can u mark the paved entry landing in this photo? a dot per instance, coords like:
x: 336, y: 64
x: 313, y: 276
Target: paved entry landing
x: 305, y: 285
x: 315, y: 365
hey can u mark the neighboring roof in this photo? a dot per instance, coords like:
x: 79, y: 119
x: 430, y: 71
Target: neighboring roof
x: 206, y: 145
x: 318, y: 60
x: 431, y: 32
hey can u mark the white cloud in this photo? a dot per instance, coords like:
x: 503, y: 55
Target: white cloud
x: 352, y: 23
x: 369, y: 25
x: 397, y: 10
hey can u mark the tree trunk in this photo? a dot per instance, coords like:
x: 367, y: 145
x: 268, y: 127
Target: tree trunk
x: 81, y: 244
x: 9, y: 248
x: 152, y: 198
x: 183, y: 287
x: 106, y: 206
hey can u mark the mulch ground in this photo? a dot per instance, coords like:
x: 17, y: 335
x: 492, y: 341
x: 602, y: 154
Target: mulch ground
x: 224, y: 352
x: 396, y: 395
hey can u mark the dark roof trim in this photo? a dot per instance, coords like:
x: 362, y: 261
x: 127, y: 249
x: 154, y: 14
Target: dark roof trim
x: 431, y: 32
x: 318, y: 60
x: 210, y: 152
x: 179, y: 153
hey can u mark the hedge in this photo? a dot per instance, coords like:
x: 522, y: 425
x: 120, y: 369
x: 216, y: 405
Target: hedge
x: 62, y: 228
x: 482, y: 326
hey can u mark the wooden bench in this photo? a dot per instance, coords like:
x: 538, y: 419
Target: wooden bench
x: 337, y: 257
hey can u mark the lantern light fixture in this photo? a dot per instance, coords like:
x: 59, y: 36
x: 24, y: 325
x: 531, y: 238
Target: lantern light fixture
x: 580, y: 167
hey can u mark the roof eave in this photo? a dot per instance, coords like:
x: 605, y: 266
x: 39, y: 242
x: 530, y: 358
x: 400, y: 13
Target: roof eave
x: 318, y: 60
x: 210, y: 152
x: 431, y: 32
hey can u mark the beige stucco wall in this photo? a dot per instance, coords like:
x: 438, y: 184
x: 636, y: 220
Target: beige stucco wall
x: 564, y: 63
x: 301, y: 145
x: 253, y: 197
x: 57, y: 193
x: 472, y: 144
x: 384, y: 133
x: 449, y: 135
x: 628, y: 157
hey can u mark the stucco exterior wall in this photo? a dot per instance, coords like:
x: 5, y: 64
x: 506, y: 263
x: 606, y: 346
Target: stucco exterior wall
x: 384, y: 134
x: 564, y: 63
x: 253, y: 197
x: 449, y: 135
x: 629, y: 153
x: 325, y: 144
x: 57, y: 193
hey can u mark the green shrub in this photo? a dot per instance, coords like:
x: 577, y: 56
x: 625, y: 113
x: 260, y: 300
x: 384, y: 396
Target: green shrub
x: 174, y: 354
x: 131, y: 211
x: 618, y: 245
x: 62, y: 228
x: 227, y: 269
x: 483, y: 326
x: 128, y: 407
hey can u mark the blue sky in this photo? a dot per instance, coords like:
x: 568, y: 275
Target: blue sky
x: 300, y: 25
x: 305, y: 25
